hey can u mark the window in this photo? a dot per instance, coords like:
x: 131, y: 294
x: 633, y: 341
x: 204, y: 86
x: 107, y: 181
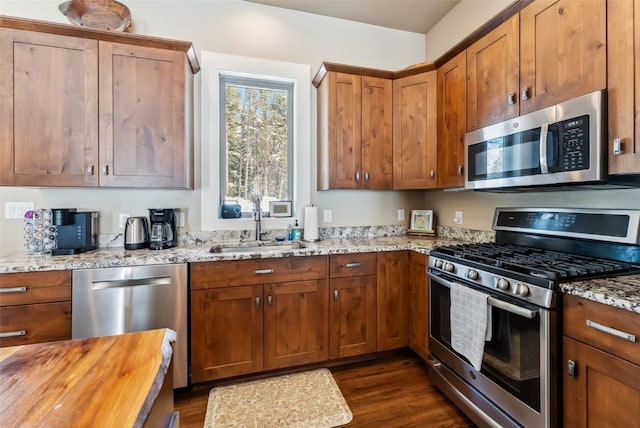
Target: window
x: 256, y: 135
x: 212, y: 154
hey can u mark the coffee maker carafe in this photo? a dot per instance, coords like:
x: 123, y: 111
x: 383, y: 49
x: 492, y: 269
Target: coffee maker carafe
x: 162, y: 228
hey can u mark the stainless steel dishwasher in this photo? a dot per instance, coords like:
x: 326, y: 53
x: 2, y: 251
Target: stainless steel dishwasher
x: 110, y: 301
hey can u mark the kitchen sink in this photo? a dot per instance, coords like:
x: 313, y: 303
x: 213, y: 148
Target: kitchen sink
x: 257, y: 248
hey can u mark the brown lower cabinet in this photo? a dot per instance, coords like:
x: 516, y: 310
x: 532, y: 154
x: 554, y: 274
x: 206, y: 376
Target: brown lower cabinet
x: 603, y: 388
x: 253, y: 315
x: 35, y: 307
x: 419, y: 304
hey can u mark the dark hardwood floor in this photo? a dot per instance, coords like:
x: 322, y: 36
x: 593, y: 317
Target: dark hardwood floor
x: 390, y: 392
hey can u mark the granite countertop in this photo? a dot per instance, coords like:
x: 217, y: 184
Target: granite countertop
x: 622, y: 292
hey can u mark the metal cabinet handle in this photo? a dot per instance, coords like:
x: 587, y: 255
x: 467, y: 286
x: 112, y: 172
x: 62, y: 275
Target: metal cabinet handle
x: 460, y: 169
x: 90, y: 170
x: 105, y: 170
x: 257, y: 303
x: 366, y: 176
x: 262, y: 271
x: 270, y: 300
x: 524, y: 93
x: 13, y: 290
x: 511, y: 98
x: 358, y: 176
x: 13, y: 333
x: 432, y: 174
x: 335, y: 294
x: 617, y: 147
x: 571, y: 368
x: 353, y: 265
x: 612, y: 331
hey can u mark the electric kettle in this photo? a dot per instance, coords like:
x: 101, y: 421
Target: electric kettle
x: 136, y: 233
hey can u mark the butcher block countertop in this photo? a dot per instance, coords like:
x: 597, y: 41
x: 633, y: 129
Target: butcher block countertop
x: 99, y: 382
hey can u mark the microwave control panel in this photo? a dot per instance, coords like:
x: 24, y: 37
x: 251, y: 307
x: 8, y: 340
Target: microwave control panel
x: 574, y: 144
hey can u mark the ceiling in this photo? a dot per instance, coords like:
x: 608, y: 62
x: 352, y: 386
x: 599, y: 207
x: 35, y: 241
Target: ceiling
x: 417, y: 16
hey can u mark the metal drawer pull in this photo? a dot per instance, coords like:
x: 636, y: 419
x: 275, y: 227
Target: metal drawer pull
x: 335, y: 294
x: 262, y: 271
x: 257, y: 303
x: 353, y: 265
x: 120, y: 283
x: 13, y: 290
x: 13, y: 333
x: 611, y: 331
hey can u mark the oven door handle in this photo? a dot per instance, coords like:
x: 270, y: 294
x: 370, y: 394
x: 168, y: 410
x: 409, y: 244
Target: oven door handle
x: 496, y: 303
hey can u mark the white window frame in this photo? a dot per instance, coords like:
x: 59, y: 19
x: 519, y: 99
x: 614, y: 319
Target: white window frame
x: 300, y: 74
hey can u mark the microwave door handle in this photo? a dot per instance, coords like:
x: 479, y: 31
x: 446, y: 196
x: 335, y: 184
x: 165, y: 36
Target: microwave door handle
x: 544, y: 163
x: 496, y: 303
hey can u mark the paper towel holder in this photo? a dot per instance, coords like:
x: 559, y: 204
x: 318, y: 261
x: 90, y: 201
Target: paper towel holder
x: 280, y: 209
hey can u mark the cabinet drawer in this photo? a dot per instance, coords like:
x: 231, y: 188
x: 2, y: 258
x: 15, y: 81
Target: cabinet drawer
x: 577, y: 311
x: 256, y: 271
x: 341, y: 265
x: 43, y: 322
x: 35, y: 287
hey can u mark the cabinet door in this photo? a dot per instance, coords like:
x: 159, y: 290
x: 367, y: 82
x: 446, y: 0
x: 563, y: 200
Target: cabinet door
x: 393, y: 300
x: 339, y: 131
x: 493, y: 66
x: 415, y: 131
x: 377, y: 136
x: 623, y: 32
x: 562, y: 51
x: 296, y: 324
x: 226, y: 332
x: 419, y: 305
x: 604, y: 391
x: 48, y: 109
x: 352, y: 311
x: 142, y: 117
x: 452, y: 121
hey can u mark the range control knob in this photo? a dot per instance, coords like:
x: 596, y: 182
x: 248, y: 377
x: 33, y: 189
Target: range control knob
x: 438, y: 264
x: 502, y: 284
x: 472, y: 274
x: 449, y: 267
x: 520, y: 289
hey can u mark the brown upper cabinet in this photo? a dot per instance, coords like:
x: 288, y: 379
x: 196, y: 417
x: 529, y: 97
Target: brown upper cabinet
x: 552, y: 51
x: 492, y: 76
x: 91, y: 108
x: 452, y: 121
x: 415, y: 131
x: 354, y: 131
x: 623, y: 31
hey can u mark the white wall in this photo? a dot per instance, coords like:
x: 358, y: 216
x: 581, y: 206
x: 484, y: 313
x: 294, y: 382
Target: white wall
x: 239, y: 28
x: 478, y: 207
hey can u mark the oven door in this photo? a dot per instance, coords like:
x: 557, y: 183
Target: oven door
x: 515, y: 385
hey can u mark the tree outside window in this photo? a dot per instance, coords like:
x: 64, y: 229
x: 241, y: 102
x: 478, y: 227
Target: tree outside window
x: 257, y: 134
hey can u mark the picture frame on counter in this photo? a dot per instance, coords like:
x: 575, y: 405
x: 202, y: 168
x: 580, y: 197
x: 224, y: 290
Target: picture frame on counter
x: 421, y: 221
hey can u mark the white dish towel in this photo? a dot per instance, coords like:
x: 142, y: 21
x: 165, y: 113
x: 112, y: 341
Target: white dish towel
x: 470, y: 322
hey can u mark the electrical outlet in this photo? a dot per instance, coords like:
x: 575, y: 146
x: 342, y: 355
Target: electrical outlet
x: 17, y: 209
x: 122, y: 220
x: 457, y: 219
x: 328, y: 216
x: 180, y: 219
x: 400, y: 214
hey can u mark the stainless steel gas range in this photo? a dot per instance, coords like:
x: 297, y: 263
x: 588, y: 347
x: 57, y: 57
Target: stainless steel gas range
x: 514, y: 380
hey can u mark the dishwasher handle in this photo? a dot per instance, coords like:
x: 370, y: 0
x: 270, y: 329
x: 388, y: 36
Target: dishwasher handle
x: 122, y: 283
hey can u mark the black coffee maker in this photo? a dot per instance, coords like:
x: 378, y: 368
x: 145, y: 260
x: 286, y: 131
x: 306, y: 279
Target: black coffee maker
x: 162, y: 228
x: 77, y: 231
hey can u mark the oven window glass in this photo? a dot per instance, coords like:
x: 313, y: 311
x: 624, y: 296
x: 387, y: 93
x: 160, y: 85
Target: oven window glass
x: 512, y: 357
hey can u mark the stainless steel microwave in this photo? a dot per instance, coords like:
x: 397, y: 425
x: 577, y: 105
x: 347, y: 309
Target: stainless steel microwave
x: 559, y: 145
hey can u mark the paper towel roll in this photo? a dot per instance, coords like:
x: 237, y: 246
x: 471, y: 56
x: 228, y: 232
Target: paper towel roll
x: 310, y: 223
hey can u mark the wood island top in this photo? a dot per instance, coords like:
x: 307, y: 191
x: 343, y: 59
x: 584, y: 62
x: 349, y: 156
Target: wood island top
x: 99, y: 382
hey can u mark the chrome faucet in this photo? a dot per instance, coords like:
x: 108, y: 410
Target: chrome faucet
x: 257, y: 216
